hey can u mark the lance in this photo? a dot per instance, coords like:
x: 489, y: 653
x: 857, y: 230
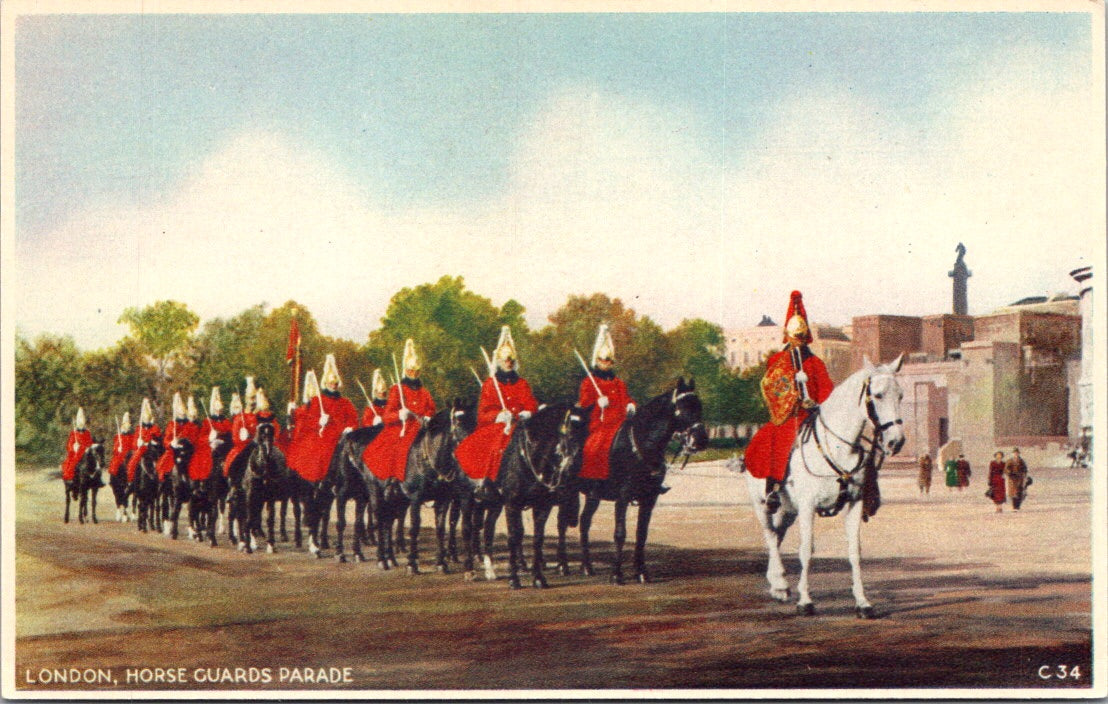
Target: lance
x: 591, y: 378
x: 400, y: 389
x: 118, y: 436
x: 477, y: 377
x: 368, y: 400
x: 496, y: 385
x: 319, y: 395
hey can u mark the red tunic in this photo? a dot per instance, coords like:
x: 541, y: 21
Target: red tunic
x: 249, y: 421
x: 387, y: 455
x: 996, y: 481
x: 83, y: 439
x: 603, y: 423
x: 184, y: 429
x: 123, y: 444
x: 310, y: 452
x: 146, y: 433
x: 370, y: 414
x: 480, y: 453
x: 769, y: 449
x: 200, y: 467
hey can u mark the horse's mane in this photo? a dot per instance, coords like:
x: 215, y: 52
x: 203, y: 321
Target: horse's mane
x: 549, y: 416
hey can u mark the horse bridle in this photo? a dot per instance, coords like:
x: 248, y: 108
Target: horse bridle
x: 874, y: 444
x: 425, y: 457
x: 685, y: 435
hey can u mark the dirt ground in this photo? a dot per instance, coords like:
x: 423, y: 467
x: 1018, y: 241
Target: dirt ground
x: 966, y: 597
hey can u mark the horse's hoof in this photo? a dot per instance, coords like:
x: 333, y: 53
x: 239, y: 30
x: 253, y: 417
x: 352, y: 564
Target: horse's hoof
x: 781, y: 595
x: 865, y: 612
x: 340, y: 558
x: 643, y: 578
x: 413, y: 569
x: 270, y: 549
x: 588, y: 571
x: 284, y: 537
x: 358, y: 557
x: 94, y: 520
x: 393, y: 562
x: 616, y: 579
x: 808, y: 609
x: 563, y: 569
x: 471, y: 576
x: 443, y: 568
x: 383, y: 565
x: 539, y: 583
x: 513, y: 583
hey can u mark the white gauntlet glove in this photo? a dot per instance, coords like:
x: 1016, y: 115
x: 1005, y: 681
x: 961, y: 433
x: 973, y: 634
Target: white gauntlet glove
x: 76, y: 447
x: 602, y: 401
x: 405, y: 414
x: 524, y: 415
x: 346, y: 430
x: 504, y: 417
x: 243, y: 435
x: 212, y: 435
x: 631, y: 408
x: 291, y: 408
x: 323, y: 418
x: 801, y: 377
x: 378, y: 420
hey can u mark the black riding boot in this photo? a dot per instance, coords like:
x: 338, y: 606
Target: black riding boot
x: 773, y: 495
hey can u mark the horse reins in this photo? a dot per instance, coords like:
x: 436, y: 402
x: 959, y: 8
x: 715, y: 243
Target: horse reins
x: 809, y: 430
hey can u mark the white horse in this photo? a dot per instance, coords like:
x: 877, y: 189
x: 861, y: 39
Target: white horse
x: 847, y: 438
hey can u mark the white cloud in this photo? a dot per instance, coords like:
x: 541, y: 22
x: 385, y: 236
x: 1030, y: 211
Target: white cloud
x: 609, y: 194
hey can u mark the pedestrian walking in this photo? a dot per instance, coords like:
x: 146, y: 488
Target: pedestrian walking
x: 996, y: 481
x: 925, y: 468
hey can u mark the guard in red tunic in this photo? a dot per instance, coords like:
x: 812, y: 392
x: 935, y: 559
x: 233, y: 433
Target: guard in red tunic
x: 795, y: 382
x: 243, y: 423
x: 148, y: 430
x: 505, y: 398
x: 217, y: 429
x: 264, y: 414
x: 200, y: 466
x: 179, y: 427
x: 296, y: 415
x: 409, y: 405
x: 320, y: 424
x: 79, y: 441
x: 122, y: 445
x: 611, y: 404
x: 373, y: 414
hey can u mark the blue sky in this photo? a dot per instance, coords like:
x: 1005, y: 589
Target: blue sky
x: 511, y: 132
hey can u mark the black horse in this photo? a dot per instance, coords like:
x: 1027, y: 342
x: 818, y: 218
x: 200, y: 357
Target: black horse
x: 347, y: 482
x: 121, y: 489
x: 176, y: 486
x: 264, y: 483
x: 145, y: 487
x: 541, y: 459
x: 87, y: 478
x: 637, y: 466
x: 431, y: 474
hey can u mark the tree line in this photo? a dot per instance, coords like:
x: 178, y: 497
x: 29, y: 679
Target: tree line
x: 168, y: 350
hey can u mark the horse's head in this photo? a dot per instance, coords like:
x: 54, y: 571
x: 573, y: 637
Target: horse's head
x: 264, y: 437
x: 572, y: 433
x: 463, y: 419
x: 182, y: 454
x: 95, y: 457
x: 688, y: 416
x: 881, y: 397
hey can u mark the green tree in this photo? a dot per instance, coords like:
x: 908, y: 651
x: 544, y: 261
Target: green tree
x: 45, y: 398
x: 449, y: 325
x: 112, y: 382
x: 163, y: 330
x: 220, y: 350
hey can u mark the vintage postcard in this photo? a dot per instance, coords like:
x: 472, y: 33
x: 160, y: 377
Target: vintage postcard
x: 692, y: 350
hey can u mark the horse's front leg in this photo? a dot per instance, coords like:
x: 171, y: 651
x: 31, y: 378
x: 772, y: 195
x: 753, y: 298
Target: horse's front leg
x: 492, y: 512
x: 297, y: 515
x: 454, y: 514
x: 359, y: 528
x: 95, y: 489
x: 82, y: 505
x: 642, y: 527
x: 563, y: 526
x: 413, y: 535
x: 284, y: 513
x: 513, y: 516
x: 65, y: 519
x: 324, y: 500
x: 591, y: 504
x: 469, y: 542
x: 441, y: 512
x: 805, y: 522
x: 175, y: 513
x: 775, y: 569
x: 270, y: 519
x: 340, y: 525
x: 620, y: 536
x: 539, y: 514
x: 852, y: 522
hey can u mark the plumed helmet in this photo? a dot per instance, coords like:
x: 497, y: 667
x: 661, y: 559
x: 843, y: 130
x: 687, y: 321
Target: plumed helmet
x: 330, y: 377
x: 311, y: 386
x: 796, y: 321
x: 80, y: 421
x: 379, y: 387
x: 236, y: 403
x: 505, y: 348
x: 146, y: 414
x: 411, y: 357
x: 191, y: 411
x: 261, y: 401
x: 604, y: 347
x: 178, y: 406
x: 216, y: 403
x: 125, y: 424
x: 248, y: 396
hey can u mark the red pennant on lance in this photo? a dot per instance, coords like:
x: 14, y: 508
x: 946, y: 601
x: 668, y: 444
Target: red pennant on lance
x: 294, y: 341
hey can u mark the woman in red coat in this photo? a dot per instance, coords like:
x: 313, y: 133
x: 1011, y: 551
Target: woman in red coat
x: 320, y: 424
x: 409, y: 405
x: 795, y: 381
x: 78, y: 442
x: 611, y: 404
x: 505, y: 397
x: 996, y: 481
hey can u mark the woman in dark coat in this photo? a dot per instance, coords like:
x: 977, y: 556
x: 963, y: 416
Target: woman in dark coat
x: 996, y: 481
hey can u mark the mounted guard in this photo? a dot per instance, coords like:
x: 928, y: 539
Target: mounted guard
x: 178, y: 429
x: 376, y: 400
x: 320, y: 423
x: 123, y: 444
x: 505, y: 398
x: 796, y: 382
x: 148, y: 430
x: 409, y: 406
x: 78, y: 442
x: 243, y: 423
